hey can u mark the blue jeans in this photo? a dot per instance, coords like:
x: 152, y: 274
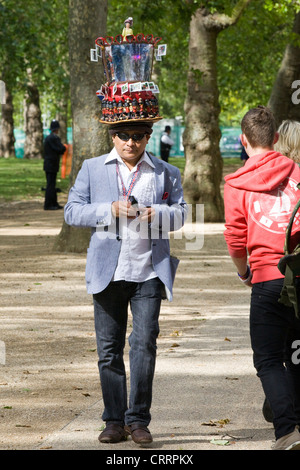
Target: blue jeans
x: 274, y: 329
x: 111, y: 313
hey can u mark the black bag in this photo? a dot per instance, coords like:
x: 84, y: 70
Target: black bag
x: 289, y: 266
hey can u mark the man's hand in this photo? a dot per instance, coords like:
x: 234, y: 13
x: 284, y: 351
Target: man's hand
x: 147, y: 214
x: 123, y: 209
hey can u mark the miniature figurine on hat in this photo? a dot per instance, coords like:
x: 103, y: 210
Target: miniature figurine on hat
x: 127, y: 31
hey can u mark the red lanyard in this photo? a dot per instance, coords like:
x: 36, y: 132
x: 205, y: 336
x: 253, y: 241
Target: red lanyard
x: 127, y: 193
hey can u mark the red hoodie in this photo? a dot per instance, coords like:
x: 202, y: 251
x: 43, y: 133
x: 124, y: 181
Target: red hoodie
x: 259, y: 200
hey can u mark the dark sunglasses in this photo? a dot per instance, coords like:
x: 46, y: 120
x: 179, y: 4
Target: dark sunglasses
x: 125, y: 137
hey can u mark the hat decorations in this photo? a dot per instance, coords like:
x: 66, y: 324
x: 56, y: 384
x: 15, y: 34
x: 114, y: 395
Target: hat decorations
x: 128, y: 94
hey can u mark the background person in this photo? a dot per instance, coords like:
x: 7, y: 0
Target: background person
x: 166, y: 144
x: 288, y: 144
x: 289, y: 140
x: 53, y: 149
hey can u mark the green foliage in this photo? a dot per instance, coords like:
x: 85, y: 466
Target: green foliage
x: 283, y: 7
x: 249, y: 56
x: 35, y: 34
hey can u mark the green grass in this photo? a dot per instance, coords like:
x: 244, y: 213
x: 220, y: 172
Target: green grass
x: 179, y: 162
x: 22, y: 179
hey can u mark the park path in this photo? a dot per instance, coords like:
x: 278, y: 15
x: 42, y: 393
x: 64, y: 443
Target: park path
x: 206, y: 393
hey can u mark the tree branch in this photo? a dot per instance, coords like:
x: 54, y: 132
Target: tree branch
x: 219, y: 21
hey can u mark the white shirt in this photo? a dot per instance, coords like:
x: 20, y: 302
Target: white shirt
x: 166, y: 139
x: 135, y: 259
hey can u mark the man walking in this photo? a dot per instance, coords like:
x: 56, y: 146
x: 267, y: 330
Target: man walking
x: 130, y: 200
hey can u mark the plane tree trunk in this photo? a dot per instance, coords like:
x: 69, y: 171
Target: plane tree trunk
x: 87, y: 21
x: 203, y: 169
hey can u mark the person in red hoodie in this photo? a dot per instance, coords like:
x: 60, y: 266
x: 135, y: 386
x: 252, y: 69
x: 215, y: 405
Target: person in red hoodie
x: 259, y: 199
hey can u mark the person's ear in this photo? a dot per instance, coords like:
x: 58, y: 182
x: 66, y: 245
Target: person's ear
x: 276, y: 138
x: 243, y: 140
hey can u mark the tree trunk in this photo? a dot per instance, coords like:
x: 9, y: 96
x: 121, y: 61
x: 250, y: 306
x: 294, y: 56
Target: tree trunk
x: 62, y: 118
x: 87, y: 21
x: 7, y: 148
x: 284, y: 100
x: 203, y: 169
x: 33, y: 147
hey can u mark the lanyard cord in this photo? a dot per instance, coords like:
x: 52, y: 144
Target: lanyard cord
x: 127, y: 193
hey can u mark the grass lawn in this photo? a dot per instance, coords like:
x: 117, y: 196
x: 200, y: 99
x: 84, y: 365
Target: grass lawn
x: 22, y: 179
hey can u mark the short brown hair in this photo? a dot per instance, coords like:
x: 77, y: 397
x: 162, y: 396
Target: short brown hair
x: 259, y: 127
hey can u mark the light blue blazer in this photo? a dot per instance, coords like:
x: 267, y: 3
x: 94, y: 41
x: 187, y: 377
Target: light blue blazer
x: 89, y: 205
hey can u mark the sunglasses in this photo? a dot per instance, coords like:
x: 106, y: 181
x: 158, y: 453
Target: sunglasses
x: 125, y: 137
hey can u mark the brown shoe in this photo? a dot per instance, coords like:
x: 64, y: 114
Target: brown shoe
x: 113, y: 433
x: 140, y: 433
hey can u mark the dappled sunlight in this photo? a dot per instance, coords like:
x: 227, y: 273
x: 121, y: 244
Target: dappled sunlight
x: 50, y: 378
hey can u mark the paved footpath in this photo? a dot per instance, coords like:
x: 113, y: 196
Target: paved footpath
x: 206, y: 393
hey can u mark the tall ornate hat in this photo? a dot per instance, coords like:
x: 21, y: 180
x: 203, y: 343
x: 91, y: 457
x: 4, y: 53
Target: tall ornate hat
x: 129, y: 95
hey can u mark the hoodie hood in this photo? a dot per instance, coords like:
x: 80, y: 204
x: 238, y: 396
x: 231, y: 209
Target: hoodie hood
x: 262, y: 172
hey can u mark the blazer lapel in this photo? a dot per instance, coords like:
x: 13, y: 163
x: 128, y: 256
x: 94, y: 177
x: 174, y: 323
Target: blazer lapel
x: 112, y: 180
x: 159, y: 179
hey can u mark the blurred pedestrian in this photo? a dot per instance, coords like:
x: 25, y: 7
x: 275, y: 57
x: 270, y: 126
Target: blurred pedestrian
x: 166, y: 144
x: 289, y: 140
x: 53, y: 149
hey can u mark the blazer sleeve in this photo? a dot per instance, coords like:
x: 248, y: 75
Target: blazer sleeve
x: 79, y: 211
x: 171, y: 215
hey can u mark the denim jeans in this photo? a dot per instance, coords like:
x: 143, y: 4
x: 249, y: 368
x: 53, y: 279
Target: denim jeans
x: 274, y: 329
x: 111, y: 314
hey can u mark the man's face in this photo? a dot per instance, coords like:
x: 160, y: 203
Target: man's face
x: 130, y: 150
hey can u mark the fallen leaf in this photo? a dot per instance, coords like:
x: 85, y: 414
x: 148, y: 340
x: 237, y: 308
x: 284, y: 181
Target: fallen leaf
x: 175, y: 333
x: 216, y: 422
x: 220, y: 442
x: 209, y: 423
x: 227, y: 339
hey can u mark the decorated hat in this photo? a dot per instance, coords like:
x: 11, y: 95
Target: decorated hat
x: 129, y: 95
